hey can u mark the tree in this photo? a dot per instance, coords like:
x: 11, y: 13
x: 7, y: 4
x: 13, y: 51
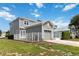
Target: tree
x: 75, y: 22
x: 7, y: 33
x: 0, y: 32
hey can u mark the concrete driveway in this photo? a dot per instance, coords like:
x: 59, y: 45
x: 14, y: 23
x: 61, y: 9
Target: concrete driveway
x: 65, y: 42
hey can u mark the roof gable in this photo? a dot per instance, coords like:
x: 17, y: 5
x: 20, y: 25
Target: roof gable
x: 48, y: 23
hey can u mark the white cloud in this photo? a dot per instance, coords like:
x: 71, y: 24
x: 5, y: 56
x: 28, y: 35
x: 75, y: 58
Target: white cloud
x: 7, y: 16
x: 6, y: 8
x: 36, y: 10
x: 60, y: 22
x: 30, y: 3
x: 35, y: 14
x: 58, y: 6
x: 69, y: 6
x: 39, y: 5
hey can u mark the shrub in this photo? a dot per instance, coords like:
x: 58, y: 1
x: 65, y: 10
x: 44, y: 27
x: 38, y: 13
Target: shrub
x: 66, y: 35
x: 7, y: 33
x: 10, y: 37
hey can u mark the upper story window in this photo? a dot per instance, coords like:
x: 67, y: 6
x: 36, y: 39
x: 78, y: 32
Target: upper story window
x: 26, y: 22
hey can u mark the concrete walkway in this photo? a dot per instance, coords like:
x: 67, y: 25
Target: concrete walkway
x: 65, y: 42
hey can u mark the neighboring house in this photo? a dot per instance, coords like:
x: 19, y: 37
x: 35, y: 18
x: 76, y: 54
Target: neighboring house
x: 28, y: 30
x: 73, y: 31
x: 3, y: 35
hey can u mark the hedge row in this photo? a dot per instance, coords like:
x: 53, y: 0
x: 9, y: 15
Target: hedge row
x: 66, y: 35
x: 10, y: 37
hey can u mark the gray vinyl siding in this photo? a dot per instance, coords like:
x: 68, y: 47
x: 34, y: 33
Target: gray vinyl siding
x: 22, y: 23
x: 47, y: 26
x: 17, y: 24
x: 47, y: 34
x: 34, y: 29
x: 14, y: 27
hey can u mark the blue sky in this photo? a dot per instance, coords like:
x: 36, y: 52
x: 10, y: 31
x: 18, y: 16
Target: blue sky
x: 58, y: 13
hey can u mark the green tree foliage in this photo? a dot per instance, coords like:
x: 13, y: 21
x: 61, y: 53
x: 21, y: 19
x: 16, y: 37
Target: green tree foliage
x: 75, y: 21
x: 7, y: 33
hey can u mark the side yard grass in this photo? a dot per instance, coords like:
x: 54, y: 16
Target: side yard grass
x: 20, y: 48
x: 76, y: 39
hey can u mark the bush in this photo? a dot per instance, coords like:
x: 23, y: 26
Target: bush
x: 66, y: 35
x: 10, y: 37
x: 7, y: 33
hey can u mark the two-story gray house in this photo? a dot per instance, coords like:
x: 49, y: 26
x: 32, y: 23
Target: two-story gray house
x: 29, y: 30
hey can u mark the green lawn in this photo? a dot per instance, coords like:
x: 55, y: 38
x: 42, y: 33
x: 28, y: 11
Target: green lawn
x: 12, y: 48
x: 74, y: 39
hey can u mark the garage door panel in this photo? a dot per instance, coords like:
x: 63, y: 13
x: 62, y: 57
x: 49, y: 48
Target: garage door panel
x: 47, y: 35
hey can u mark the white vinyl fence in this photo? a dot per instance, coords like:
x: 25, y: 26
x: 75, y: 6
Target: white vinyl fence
x: 34, y: 36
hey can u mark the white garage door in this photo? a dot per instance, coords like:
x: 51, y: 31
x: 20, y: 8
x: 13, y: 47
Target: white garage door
x: 47, y: 35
